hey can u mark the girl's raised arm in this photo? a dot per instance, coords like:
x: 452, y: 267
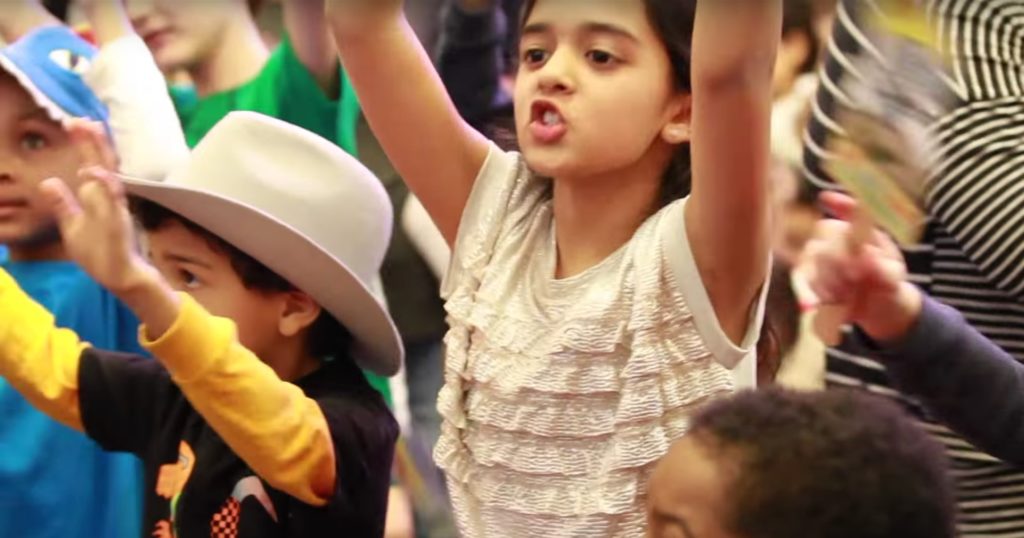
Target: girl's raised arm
x: 727, y: 218
x: 437, y: 153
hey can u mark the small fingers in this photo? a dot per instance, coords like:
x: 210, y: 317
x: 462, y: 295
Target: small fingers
x: 881, y: 269
x: 60, y: 201
x: 113, y: 185
x: 91, y: 140
x: 825, y: 264
x: 838, y: 205
x: 100, y: 193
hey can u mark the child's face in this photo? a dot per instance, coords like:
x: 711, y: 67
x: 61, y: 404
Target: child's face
x: 32, y: 148
x: 188, y: 262
x: 594, y: 91
x: 181, y: 33
x: 687, y: 494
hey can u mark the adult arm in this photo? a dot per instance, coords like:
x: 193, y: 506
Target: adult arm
x: 960, y: 377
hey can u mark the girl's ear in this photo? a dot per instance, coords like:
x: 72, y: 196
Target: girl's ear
x: 677, y: 127
x: 299, y: 312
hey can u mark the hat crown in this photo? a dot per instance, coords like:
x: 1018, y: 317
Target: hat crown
x: 299, y: 179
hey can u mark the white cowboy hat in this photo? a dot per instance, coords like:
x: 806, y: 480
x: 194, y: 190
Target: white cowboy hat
x: 302, y: 207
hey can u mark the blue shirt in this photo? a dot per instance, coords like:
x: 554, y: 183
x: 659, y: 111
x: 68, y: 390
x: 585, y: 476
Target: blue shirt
x: 55, y: 482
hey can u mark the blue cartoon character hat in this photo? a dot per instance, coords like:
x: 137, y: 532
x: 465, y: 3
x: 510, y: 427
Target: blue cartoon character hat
x: 49, y: 63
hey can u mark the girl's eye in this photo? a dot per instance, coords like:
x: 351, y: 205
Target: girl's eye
x: 535, y: 56
x: 33, y: 141
x: 601, y: 58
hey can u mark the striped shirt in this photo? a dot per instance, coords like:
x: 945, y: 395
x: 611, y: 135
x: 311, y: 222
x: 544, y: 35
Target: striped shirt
x: 972, y: 254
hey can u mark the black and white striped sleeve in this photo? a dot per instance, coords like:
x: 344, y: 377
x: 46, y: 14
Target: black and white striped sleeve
x: 977, y: 191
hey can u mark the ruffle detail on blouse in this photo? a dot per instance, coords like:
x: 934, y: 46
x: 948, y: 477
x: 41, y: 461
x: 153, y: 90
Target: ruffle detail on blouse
x: 569, y: 421
x: 561, y: 396
x: 548, y: 495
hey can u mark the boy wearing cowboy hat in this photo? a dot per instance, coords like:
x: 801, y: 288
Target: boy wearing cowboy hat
x: 256, y: 420
x: 47, y: 75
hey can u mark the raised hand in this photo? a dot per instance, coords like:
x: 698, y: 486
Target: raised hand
x: 355, y: 17
x: 108, y: 19
x: 94, y: 222
x: 870, y: 282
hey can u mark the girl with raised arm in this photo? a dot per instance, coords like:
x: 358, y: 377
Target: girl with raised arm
x: 596, y: 297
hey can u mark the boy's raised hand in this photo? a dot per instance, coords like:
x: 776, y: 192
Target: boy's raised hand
x: 94, y: 222
x: 870, y: 282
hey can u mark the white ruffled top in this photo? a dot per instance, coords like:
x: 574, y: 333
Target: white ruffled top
x: 561, y: 395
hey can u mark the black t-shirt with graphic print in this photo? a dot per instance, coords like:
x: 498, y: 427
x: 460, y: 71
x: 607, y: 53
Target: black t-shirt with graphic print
x: 130, y: 404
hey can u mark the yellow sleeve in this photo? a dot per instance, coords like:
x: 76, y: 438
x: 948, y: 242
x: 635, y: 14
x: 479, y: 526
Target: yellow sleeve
x: 269, y: 423
x: 39, y: 360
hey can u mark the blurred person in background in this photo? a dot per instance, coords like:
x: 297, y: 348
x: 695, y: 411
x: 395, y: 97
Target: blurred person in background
x: 970, y: 257
x: 50, y: 77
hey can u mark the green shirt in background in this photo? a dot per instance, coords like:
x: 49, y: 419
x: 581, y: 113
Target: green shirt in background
x: 286, y: 90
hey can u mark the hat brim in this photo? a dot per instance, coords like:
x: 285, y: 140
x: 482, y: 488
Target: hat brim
x: 297, y: 259
x: 52, y: 109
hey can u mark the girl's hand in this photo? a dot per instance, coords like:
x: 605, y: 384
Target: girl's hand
x: 108, y: 19
x: 355, y: 17
x: 361, y: 10
x: 871, y: 282
x: 95, y: 224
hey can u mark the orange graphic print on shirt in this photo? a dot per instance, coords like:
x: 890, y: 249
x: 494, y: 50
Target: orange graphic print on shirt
x: 170, y: 483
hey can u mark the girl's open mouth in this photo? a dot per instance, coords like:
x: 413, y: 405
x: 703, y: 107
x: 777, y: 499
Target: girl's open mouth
x: 547, y: 125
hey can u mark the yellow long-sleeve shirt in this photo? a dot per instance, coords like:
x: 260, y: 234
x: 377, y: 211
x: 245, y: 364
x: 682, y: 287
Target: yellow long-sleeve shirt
x: 270, y: 424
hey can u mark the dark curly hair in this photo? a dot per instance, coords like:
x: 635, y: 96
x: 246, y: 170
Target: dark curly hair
x: 327, y: 337
x: 838, y: 464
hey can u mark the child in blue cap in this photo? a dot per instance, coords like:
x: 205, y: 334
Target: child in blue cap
x: 55, y: 482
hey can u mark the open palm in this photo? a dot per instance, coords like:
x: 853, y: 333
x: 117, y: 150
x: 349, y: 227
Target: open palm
x: 94, y: 223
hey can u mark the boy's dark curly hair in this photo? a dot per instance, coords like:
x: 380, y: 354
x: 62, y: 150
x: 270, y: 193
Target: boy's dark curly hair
x: 327, y: 337
x: 837, y: 464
